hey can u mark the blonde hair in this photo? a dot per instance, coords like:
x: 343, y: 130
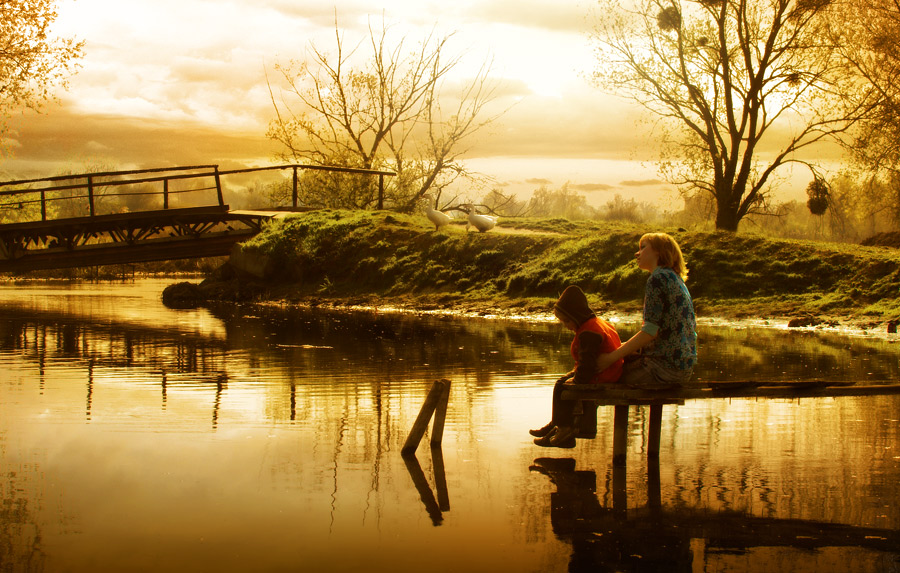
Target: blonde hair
x: 669, y: 252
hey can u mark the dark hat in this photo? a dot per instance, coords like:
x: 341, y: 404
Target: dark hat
x: 573, y: 305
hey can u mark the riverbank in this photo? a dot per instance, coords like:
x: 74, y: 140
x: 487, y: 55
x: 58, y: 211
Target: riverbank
x: 381, y: 259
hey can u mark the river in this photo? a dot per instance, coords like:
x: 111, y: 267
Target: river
x: 134, y: 437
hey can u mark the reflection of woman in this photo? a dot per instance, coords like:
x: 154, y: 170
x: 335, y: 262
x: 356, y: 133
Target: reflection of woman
x: 667, y: 341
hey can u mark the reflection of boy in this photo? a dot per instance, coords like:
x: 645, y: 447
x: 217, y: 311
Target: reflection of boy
x: 593, y: 337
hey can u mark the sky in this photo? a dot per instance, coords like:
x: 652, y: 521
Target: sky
x: 183, y: 82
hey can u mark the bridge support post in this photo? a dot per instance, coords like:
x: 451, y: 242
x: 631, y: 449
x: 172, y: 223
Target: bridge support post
x: 91, y: 194
x: 380, y: 192
x: 219, y: 187
x: 296, y: 189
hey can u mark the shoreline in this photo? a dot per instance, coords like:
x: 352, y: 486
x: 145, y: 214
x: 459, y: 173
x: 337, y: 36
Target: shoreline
x: 780, y: 316
x: 726, y: 316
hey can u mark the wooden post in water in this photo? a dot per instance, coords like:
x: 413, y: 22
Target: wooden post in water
x: 655, y: 430
x: 620, y: 435
x: 436, y: 400
x: 440, y: 415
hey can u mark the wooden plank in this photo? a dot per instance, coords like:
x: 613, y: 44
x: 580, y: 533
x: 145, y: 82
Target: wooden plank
x: 729, y: 385
x: 101, y: 221
x: 614, y: 395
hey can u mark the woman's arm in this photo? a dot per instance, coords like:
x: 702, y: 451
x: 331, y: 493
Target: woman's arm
x: 632, y: 345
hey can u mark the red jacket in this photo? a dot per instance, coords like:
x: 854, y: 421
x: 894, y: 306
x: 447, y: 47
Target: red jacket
x: 595, y: 337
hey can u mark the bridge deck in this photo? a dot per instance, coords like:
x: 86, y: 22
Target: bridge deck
x: 127, y: 237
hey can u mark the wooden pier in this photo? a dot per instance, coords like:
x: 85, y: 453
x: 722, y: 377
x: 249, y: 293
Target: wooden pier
x: 622, y: 398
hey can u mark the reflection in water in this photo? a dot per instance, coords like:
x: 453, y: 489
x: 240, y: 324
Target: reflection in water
x: 434, y: 505
x: 658, y: 538
x: 257, y: 439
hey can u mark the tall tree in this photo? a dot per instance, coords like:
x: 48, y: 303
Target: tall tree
x: 872, y: 28
x: 743, y: 88
x: 32, y: 60
x: 387, y: 110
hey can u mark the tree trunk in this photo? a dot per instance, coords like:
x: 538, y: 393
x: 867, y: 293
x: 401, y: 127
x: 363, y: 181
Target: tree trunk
x: 726, y: 217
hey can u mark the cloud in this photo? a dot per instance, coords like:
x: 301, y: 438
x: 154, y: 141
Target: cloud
x: 583, y: 123
x: 592, y: 187
x: 350, y: 13
x: 96, y: 146
x: 544, y: 14
x: 62, y: 138
x: 174, y: 82
x: 642, y: 183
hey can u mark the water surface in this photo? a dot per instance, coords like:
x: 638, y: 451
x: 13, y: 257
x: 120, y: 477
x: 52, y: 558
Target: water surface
x: 139, y: 438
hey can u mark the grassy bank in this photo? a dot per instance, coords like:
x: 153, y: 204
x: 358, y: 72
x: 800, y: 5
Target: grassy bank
x: 523, y: 264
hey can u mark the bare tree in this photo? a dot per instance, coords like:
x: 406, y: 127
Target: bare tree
x: 32, y: 61
x: 387, y: 114
x: 743, y: 88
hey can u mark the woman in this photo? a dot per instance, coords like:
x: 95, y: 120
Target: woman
x: 663, y: 353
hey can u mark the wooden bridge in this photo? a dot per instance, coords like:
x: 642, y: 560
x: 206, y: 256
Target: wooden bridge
x: 118, y: 217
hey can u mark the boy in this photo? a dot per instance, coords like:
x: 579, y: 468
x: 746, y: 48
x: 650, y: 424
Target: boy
x: 593, y: 337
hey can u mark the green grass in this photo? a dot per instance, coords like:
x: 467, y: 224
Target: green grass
x: 528, y: 262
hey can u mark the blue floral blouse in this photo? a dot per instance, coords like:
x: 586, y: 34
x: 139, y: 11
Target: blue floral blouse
x: 669, y: 315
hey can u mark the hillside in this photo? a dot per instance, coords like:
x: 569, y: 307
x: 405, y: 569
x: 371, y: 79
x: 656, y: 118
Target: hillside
x: 351, y: 257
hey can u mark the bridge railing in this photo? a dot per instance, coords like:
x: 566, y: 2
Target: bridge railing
x: 90, y: 187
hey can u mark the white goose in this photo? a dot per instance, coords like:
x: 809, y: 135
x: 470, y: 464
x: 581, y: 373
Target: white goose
x: 481, y: 222
x: 439, y: 218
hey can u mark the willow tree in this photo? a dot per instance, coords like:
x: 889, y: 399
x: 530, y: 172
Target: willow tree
x: 390, y: 108
x: 32, y: 60
x: 743, y: 88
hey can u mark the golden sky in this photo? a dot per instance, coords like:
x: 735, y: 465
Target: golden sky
x: 182, y: 82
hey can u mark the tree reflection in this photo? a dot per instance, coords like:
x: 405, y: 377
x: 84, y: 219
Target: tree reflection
x: 20, y: 531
